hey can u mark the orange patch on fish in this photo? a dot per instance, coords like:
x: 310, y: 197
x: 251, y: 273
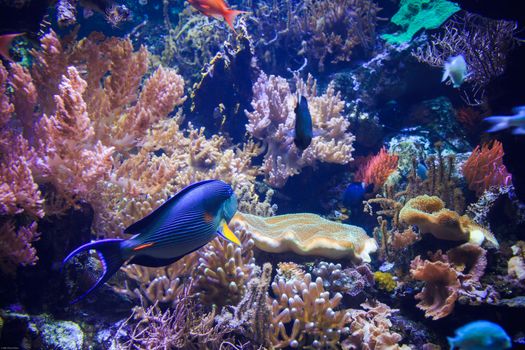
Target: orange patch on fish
x: 142, y: 246
x: 208, y: 217
x: 216, y: 8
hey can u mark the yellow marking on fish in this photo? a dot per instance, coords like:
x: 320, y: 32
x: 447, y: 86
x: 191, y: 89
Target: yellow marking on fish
x: 142, y: 246
x: 229, y: 235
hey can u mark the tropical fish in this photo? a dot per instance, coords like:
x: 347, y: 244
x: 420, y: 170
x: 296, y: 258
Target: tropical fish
x: 456, y: 70
x: 5, y: 44
x: 480, y: 335
x: 355, y: 194
x: 183, y: 224
x: 303, y: 125
x: 502, y: 122
x: 217, y: 9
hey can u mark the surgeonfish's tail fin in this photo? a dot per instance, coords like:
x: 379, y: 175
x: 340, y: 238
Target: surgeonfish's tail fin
x: 229, y: 17
x: 109, y: 251
x: 498, y: 123
x: 451, y: 342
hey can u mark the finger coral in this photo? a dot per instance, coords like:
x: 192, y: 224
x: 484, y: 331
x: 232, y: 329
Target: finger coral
x: 429, y: 214
x: 224, y: 269
x: 485, y: 169
x: 273, y: 119
x: 349, y: 281
x: 308, y: 234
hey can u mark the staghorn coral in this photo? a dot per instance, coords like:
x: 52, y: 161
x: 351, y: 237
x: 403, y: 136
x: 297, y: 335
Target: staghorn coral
x: 485, y: 169
x: 273, y: 118
x: 441, y: 288
x: 307, y: 234
x: 224, y: 269
x: 377, y: 170
x: 429, y: 214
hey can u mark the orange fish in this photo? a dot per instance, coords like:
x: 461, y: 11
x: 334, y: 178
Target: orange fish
x: 5, y: 44
x: 217, y: 9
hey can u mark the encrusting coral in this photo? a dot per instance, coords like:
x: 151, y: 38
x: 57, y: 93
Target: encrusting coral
x: 307, y: 234
x: 273, y: 120
x: 429, y: 214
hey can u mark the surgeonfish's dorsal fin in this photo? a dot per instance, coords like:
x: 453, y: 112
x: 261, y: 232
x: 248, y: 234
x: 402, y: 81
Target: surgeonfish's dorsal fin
x: 151, y: 217
x: 445, y: 73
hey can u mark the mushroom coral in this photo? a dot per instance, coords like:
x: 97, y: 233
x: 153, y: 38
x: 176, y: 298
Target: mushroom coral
x: 430, y: 215
x: 307, y: 234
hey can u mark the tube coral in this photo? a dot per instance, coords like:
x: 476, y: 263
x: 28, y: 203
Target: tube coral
x: 485, y: 169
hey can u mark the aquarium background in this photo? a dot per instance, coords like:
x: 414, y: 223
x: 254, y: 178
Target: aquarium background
x: 400, y: 222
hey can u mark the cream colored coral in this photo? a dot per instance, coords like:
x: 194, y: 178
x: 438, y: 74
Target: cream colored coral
x: 308, y: 234
x: 430, y: 215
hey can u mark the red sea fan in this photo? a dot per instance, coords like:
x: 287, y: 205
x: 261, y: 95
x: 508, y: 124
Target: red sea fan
x: 377, y: 169
x: 484, y: 168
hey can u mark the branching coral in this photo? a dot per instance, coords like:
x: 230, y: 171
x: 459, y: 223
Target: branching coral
x: 15, y: 246
x: 484, y: 43
x: 223, y: 270
x: 273, y: 121
x: 349, y: 281
x: 377, y: 170
x: 485, y: 169
x: 308, y: 234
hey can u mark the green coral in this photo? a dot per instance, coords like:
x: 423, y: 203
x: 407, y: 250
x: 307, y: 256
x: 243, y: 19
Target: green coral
x: 385, y: 281
x: 414, y: 15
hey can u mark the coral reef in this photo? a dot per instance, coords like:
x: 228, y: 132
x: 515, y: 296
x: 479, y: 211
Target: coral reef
x: 307, y: 234
x: 273, y: 118
x: 377, y: 170
x: 349, y: 281
x: 385, y: 281
x: 473, y: 36
x: 428, y: 213
x: 414, y: 15
x: 485, y: 169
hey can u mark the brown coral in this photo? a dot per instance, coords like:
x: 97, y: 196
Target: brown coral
x: 430, y: 215
x: 441, y: 288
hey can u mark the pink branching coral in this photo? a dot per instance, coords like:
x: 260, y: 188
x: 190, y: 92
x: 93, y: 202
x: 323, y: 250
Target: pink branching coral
x: 15, y: 246
x: 273, y: 118
x: 485, y: 169
x: 377, y: 170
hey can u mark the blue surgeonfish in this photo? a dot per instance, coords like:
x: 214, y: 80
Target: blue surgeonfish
x: 184, y: 223
x: 456, y: 69
x: 303, y: 125
x: 480, y: 335
x: 504, y: 122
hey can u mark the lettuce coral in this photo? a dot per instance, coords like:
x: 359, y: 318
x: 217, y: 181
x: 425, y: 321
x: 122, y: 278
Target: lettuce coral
x: 414, y: 15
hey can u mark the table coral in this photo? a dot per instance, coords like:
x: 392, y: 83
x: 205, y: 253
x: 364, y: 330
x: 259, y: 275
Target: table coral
x: 273, y: 118
x: 308, y: 234
x: 429, y: 214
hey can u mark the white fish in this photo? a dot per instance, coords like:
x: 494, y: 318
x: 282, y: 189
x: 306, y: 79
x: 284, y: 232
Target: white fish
x: 456, y: 70
x: 504, y: 122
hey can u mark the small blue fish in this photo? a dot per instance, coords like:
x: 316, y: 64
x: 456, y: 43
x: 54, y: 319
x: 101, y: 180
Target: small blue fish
x: 480, y: 335
x: 355, y: 194
x: 455, y: 69
x: 422, y: 171
x: 504, y: 122
x: 184, y: 223
x: 303, y: 125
